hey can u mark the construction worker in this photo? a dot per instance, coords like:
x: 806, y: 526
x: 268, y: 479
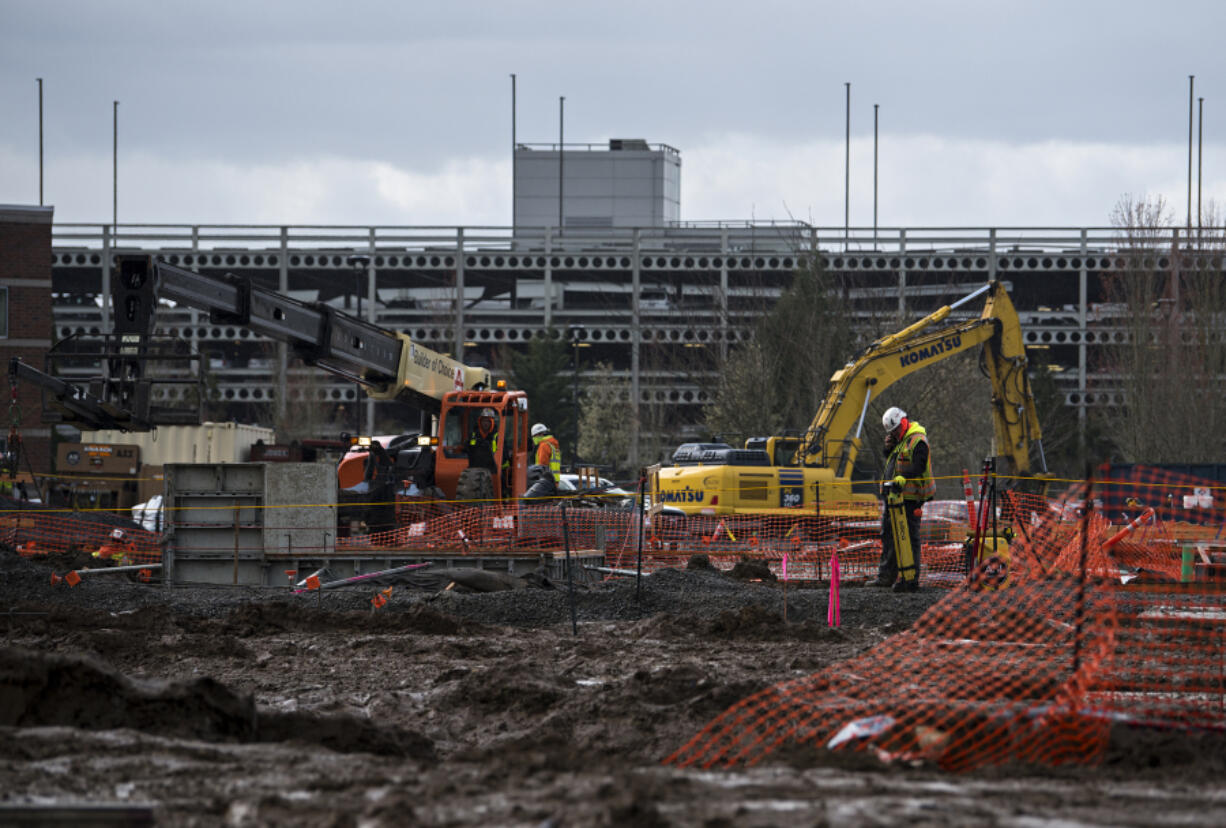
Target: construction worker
x: 548, y: 452
x: 483, y: 445
x: 908, y: 466
x: 114, y: 549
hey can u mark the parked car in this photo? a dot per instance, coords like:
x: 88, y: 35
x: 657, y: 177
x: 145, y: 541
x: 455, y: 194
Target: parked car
x: 602, y: 482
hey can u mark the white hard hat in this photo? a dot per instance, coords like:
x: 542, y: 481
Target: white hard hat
x: 487, y: 412
x: 539, y: 429
x: 892, y: 418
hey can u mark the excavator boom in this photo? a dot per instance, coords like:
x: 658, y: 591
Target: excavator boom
x: 833, y: 438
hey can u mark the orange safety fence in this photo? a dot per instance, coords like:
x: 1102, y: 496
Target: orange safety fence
x: 1094, y: 625
x: 38, y: 532
x: 808, y: 543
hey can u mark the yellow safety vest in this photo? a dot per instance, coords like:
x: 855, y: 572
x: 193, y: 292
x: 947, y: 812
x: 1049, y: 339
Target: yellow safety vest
x: 923, y: 487
x: 554, y: 455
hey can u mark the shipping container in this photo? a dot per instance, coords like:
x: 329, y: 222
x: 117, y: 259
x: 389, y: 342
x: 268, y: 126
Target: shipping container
x: 204, y: 443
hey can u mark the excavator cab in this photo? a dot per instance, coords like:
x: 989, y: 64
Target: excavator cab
x: 781, y: 450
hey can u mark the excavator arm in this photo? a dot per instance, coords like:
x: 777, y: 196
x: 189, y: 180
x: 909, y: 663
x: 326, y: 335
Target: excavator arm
x: 833, y: 438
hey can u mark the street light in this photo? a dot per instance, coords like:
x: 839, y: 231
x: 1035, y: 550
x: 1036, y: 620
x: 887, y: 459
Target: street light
x: 576, y: 333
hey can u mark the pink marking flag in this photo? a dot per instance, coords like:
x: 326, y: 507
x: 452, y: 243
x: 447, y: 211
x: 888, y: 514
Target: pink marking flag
x: 832, y: 609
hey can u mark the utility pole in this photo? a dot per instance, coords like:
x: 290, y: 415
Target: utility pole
x: 40, y: 142
x: 875, y: 106
x: 514, y: 177
x: 1191, y: 80
x: 115, y: 170
x: 561, y: 154
x: 847, y: 169
x: 1200, y: 156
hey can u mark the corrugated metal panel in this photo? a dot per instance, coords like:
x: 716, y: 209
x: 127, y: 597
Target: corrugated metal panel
x: 205, y: 443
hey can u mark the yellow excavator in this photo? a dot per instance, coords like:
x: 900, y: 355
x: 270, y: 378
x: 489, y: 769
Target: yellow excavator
x: 810, y: 474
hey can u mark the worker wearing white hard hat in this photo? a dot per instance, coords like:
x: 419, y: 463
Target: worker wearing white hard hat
x: 908, y: 467
x: 548, y: 452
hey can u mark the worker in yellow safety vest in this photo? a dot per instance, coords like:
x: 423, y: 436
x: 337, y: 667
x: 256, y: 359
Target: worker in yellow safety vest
x: 548, y: 452
x: 908, y: 467
x: 115, y: 549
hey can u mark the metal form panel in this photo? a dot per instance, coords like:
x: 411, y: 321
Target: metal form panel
x: 224, y: 518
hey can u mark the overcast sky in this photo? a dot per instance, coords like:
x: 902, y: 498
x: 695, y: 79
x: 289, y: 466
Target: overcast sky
x: 991, y: 113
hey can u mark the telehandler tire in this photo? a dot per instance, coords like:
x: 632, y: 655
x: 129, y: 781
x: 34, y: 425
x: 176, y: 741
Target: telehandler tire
x: 475, y: 484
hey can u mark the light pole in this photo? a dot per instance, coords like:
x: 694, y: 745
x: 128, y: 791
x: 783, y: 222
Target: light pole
x: 576, y: 333
x: 514, y: 178
x: 40, y: 142
x: 114, y: 169
x: 847, y: 169
x: 875, y: 106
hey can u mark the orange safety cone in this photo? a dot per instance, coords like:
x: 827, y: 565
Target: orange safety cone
x: 72, y: 578
x: 724, y: 528
x: 55, y: 579
x: 146, y: 575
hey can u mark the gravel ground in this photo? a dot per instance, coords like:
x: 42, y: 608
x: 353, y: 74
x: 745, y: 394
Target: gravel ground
x: 225, y: 706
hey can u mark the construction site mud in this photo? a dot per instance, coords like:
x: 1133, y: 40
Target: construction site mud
x: 237, y: 706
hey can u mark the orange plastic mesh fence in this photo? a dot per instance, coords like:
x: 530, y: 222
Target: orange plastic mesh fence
x: 38, y: 532
x: 1094, y: 624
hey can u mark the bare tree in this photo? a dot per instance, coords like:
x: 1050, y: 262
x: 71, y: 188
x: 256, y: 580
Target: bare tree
x: 305, y: 415
x: 952, y: 399
x: 778, y: 379
x: 1170, y: 301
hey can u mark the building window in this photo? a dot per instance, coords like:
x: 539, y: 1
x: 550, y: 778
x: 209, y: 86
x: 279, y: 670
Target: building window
x: 4, y: 312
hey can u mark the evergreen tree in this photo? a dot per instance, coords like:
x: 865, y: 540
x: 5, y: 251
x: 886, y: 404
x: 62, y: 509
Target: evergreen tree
x: 544, y: 371
x: 778, y: 379
x: 605, y: 421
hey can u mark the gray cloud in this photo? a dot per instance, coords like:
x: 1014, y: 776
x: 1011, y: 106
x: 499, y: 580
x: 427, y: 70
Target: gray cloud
x: 419, y: 86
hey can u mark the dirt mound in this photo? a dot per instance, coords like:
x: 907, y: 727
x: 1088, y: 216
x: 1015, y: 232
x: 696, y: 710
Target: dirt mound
x: 38, y: 689
x: 748, y: 569
x: 44, y: 689
x: 1165, y: 751
x: 672, y: 683
x: 664, y: 625
x: 343, y: 734
x: 699, y: 562
x: 499, y: 689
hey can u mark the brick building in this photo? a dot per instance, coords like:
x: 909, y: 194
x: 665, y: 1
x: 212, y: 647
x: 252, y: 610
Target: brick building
x: 25, y: 319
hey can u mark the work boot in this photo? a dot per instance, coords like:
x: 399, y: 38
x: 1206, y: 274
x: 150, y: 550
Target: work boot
x: 906, y: 586
x: 883, y: 583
